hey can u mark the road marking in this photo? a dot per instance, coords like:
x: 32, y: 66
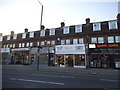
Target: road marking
x: 54, y: 76
x: 36, y: 81
x: 109, y: 80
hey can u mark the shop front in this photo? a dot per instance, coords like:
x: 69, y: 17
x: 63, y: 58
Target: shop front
x: 105, y: 56
x: 20, y: 56
x: 70, y: 56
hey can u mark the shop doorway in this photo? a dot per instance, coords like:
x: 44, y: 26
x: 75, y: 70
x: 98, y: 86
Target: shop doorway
x: 69, y: 60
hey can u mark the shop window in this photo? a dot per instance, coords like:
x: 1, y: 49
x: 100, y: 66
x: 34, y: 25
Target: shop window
x: 81, y: 40
x: 62, y: 42
x: 112, y: 25
x: 38, y: 43
x: 66, y: 30
x: 79, y: 60
x: 93, y: 40
x: 31, y: 34
x: 42, y: 33
x: 117, y: 39
x: 111, y: 39
x: 100, y: 40
x: 1, y: 38
x: 19, y: 45
x: 42, y: 43
x: 27, y: 45
x: 23, y: 44
x: 75, y: 41
x: 96, y: 26
x: 31, y: 44
x: 78, y: 28
x: 52, y: 32
x: 23, y: 35
x: 15, y: 36
x: 48, y: 42
x: 13, y: 45
x: 68, y: 42
x: 8, y: 37
x: 53, y: 42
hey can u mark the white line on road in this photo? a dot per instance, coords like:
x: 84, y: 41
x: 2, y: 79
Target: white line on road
x: 109, y: 80
x: 53, y: 76
x: 36, y: 81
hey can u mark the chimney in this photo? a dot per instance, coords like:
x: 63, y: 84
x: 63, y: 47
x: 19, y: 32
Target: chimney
x: 62, y: 24
x: 26, y: 30
x: 12, y: 33
x: 118, y: 17
x: 87, y: 20
x: 42, y: 27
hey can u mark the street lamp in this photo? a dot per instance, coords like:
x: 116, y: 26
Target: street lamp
x: 41, y: 14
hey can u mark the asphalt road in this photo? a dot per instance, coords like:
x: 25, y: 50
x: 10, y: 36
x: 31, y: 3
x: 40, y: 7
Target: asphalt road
x: 34, y: 79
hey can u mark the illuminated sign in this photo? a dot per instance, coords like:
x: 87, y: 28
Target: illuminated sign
x: 109, y: 45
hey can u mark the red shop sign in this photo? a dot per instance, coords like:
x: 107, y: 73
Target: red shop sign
x: 109, y: 45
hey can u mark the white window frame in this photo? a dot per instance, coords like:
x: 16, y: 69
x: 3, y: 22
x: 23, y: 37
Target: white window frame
x: 62, y: 42
x: 8, y: 37
x: 38, y: 43
x: 81, y: 40
x: 23, y: 44
x: 96, y: 26
x: 66, y: 30
x: 42, y: 42
x: 27, y: 44
x: 23, y: 35
x: 20, y: 45
x: 52, y: 32
x: 94, y: 40
x: 100, y: 41
x: 78, y: 28
x: 15, y: 36
x: 75, y: 41
x: 31, y: 34
x: 48, y: 42
x: 53, y: 42
x: 42, y: 33
x: 31, y: 44
x: 13, y: 45
x: 117, y: 39
x: 112, y: 25
x: 1, y: 38
x: 111, y: 39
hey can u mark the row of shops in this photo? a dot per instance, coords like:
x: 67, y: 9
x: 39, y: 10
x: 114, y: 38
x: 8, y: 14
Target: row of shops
x: 78, y: 56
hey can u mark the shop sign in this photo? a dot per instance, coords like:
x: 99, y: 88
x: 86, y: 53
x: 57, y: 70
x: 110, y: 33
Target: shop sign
x: 34, y: 50
x: 70, y: 49
x: 108, y: 45
x: 5, y: 50
x: 21, y: 49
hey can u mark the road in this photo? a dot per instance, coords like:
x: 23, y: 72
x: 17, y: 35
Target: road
x: 35, y: 79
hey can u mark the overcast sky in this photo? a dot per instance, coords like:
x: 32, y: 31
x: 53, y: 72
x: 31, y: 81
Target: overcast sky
x: 16, y: 15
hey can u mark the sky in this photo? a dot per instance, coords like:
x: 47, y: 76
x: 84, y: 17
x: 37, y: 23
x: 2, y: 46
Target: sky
x: 16, y: 15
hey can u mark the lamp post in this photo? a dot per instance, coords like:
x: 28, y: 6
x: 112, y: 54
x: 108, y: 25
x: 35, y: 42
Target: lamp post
x: 41, y: 14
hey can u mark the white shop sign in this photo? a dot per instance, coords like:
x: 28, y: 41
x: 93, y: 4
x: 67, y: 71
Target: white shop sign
x: 5, y: 50
x: 21, y: 49
x: 70, y: 49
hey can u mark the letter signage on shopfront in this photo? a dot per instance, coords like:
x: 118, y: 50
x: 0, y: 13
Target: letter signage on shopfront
x: 21, y: 49
x: 70, y: 49
x: 108, y: 45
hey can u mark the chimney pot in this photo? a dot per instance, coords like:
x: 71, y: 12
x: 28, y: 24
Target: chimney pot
x: 26, y: 30
x: 42, y: 27
x: 62, y: 24
x: 87, y: 20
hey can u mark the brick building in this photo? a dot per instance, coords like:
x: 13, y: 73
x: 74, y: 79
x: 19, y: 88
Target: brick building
x: 95, y: 44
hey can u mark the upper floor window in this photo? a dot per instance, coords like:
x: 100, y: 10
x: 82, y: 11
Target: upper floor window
x: 27, y: 45
x: 100, y: 39
x: 48, y: 42
x: 96, y: 26
x: 66, y: 30
x: 62, y: 42
x: 23, y: 44
x: 75, y: 41
x: 42, y: 43
x: 20, y: 45
x: 68, y: 41
x: 1, y: 38
x: 38, y: 43
x: 81, y: 40
x: 93, y: 40
x: 78, y: 28
x: 15, y: 36
x: 31, y: 44
x: 31, y: 34
x: 112, y: 25
x: 52, y: 32
x: 117, y: 39
x: 23, y: 35
x: 8, y: 37
x: 13, y: 45
x: 42, y: 33
x: 111, y: 39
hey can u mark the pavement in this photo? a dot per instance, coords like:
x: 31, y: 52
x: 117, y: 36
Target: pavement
x: 71, y: 70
